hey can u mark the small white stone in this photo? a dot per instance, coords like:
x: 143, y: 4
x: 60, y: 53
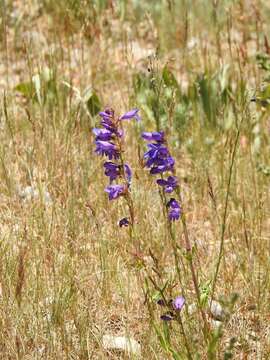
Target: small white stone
x: 47, y: 198
x: 216, y: 310
x: 216, y: 324
x: 121, y: 343
x: 30, y: 193
x: 192, y: 308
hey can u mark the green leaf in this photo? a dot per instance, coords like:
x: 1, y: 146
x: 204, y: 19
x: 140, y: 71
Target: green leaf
x: 170, y: 80
x: 94, y: 104
x: 37, y: 85
x: 26, y: 89
x: 263, y: 60
x: 91, y: 100
x: 205, y: 93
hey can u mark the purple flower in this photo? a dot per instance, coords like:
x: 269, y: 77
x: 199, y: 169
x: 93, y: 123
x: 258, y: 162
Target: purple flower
x: 155, y: 153
x: 174, y: 209
x: 162, y: 165
x: 178, y: 303
x: 161, y: 302
x: 115, y: 191
x: 130, y: 115
x: 169, y: 185
x: 123, y: 222
x: 107, y: 114
x: 107, y: 148
x: 111, y: 170
x: 153, y: 136
x: 167, y: 317
x: 102, y: 134
x: 128, y: 173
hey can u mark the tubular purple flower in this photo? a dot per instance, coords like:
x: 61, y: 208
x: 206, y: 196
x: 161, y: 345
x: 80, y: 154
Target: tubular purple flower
x: 174, y: 209
x: 130, y: 115
x: 178, y: 303
x: 128, y: 173
x: 163, y: 165
x: 153, y: 136
x: 115, y: 191
x: 107, y: 114
x: 123, y: 222
x: 167, y: 317
x: 111, y: 170
x: 161, y: 302
x: 169, y: 185
x: 102, y: 134
x: 107, y: 148
x: 155, y: 153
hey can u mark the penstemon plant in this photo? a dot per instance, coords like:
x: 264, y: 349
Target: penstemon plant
x: 160, y: 162
x: 109, y: 143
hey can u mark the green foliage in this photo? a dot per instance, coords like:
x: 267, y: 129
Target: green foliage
x: 92, y: 101
x: 263, y: 60
x: 41, y: 89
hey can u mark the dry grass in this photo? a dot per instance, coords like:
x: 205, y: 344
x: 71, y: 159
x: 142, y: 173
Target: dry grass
x: 68, y: 273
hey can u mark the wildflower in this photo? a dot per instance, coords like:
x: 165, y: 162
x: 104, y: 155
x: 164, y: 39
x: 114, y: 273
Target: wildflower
x: 112, y: 170
x: 174, y: 210
x: 115, y: 191
x: 156, y: 154
x: 154, y: 136
x: 108, y: 140
x: 107, y: 148
x: 163, y: 165
x: 123, y: 222
x: 168, y: 316
x: 128, y: 173
x: 161, y: 302
x: 107, y: 113
x: 178, y: 303
x: 103, y: 134
x: 130, y: 115
x: 169, y: 185
x: 159, y: 160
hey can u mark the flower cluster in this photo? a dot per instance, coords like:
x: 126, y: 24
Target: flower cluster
x: 109, y: 143
x: 174, y: 306
x: 159, y: 160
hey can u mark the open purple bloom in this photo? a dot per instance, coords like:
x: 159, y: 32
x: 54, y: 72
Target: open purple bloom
x: 155, y: 153
x: 111, y: 170
x: 153, y: 136
x: 162, y: 165
x: 130, y: 115
x: 123, y: 222
x: 178, y: 303
x: 115, y: 191
x: 174, y: 209
x: 107, y: 148
x: 169, y: 185
x: 102, y: 134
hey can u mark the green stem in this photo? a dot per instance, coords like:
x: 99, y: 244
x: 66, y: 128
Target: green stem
x: 224, y: 218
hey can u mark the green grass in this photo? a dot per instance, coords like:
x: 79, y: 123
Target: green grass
x: 68, y: 273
